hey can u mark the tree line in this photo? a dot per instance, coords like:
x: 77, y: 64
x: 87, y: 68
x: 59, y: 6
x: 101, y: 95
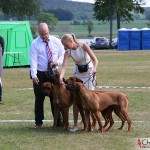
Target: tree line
x: 20, y: 8
x: 103, y: 10
x: 67, y: 10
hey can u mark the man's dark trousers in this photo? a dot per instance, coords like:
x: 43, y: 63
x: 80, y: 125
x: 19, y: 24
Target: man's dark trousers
x: 39, y: 100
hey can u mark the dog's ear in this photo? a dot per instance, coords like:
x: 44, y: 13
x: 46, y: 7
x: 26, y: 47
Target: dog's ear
x: 65, y: 81
x: 79, y: 80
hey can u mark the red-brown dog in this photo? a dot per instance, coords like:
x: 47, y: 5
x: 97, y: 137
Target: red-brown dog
x: 106, y: 113
x: 47, y: 88
x: 95, y: 102
x: 78, y: 102
x: 63, y: 99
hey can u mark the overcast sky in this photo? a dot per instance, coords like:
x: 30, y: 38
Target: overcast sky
x: 92, y: 1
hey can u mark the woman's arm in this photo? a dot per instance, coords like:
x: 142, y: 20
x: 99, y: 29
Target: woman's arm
x: 64, y: 66
x: 92, y: 55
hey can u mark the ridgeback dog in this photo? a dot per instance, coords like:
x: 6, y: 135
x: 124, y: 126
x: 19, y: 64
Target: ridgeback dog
x: 47, y: 88
x: 63, y: 99
x: 106, y: 113
x: 95, y: 102
x: 78, y: 103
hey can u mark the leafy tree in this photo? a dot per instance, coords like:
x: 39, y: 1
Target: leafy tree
x: 120, y: 8
x: 48, y: 18
x: 90, y: 26
x: 75, y: 22
x: 20, y: 8
x: 34, y: 30
x: 106, y: 9
x: 8, y: 7
x: 32, y: 8
x: 0, y: 4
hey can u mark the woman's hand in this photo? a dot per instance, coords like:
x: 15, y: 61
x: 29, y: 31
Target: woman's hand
x: 94, y: 71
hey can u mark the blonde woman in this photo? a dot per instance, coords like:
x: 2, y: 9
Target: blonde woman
x: 82, y: 56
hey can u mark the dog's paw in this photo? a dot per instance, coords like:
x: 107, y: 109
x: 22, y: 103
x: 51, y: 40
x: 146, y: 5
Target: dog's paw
x: 120, y: 128
x: 101, y: 130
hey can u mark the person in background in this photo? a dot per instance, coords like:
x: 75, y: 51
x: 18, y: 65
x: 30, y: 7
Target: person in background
x: 40, y: 66
x: 82, y: 55
x: 1, y: 65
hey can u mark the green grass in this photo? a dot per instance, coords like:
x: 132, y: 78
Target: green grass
x: 100, y: 29
x: 116, y: 68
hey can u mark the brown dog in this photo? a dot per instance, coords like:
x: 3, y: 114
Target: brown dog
x: 106, y: 113
x: 47, y: 88
x: 95, y: 102
x: 63, y: 99
x: 78, y: 103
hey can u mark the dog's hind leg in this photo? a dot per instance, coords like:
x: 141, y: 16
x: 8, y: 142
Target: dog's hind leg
x: 104, y: 114
x: 122, y: 120
x: 107, y: 114
x: 117, y: 111
x: 93, y: 120
x: 97, y: 115
x: 126, y: 116
x: 111, y: 121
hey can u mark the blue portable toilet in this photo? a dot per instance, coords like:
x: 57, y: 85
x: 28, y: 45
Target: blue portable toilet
x: 123, y: 39
x: 145, y: 38
x: 135, y: 39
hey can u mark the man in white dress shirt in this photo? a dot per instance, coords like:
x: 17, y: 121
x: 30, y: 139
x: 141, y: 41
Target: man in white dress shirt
x: 39, y: 68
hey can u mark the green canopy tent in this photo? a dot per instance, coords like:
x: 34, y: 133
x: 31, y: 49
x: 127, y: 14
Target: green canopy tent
x: 18, y: 37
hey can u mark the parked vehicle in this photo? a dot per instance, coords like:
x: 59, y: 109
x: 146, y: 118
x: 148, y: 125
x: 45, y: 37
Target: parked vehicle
x: 88, y: 41
x: 100, y: 43
x: 114, y: 43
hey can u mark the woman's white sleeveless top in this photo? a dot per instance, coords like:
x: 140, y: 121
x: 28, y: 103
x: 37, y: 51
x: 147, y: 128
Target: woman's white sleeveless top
x: 81, y: 57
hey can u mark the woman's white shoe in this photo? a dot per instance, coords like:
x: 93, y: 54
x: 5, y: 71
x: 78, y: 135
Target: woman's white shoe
x: 73, y: 129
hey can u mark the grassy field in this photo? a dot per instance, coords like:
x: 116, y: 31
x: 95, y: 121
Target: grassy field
x: 116, y: 68
x: 100, y: 29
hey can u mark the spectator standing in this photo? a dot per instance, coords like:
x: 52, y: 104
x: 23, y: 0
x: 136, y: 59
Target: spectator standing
x: 1, y: 65
x: 40, y: 63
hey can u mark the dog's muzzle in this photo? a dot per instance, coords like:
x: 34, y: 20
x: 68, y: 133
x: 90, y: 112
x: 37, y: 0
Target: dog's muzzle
x: 69, y: 87
x: 77, y: 89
